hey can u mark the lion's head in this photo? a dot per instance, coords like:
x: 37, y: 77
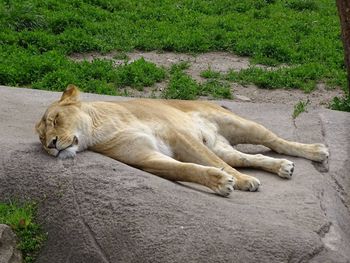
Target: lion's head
x: 60, y: 128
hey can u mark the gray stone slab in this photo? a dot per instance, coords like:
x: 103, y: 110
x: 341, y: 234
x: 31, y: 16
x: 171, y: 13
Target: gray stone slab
x: 8, y: 246
x: 96, y: 209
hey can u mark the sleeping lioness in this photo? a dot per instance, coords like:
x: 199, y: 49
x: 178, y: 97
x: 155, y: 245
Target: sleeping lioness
x: 188, y: 141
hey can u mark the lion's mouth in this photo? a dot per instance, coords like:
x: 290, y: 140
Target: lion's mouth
x: 66, y: 152
x: 62, y: 150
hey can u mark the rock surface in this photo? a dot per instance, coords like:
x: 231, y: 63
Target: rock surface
x: 96, y: 209
x: 8, y: 242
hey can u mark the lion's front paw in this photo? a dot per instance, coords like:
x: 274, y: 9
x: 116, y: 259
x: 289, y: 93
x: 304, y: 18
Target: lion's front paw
x: 220, y: 182
x: 286, y: 170
x: 247, y: 183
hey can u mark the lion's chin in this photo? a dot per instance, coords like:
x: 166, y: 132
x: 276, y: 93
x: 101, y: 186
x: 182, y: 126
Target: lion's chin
x: 69, y: 152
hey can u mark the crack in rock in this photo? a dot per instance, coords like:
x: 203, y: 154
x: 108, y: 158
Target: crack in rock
x: 332, y: 238
x: 314, y: 253
x: 324, y: 167
x: 324, y: 229
x: 90, y: 233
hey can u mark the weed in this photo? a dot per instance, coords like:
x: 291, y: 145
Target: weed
x: 97, y: 76
x: 100, y: 76
x: 138, y: 74
x: 23, y: 16
x: 181, y: 86
x: 121, y: 56
x: 300, y: 107
x: 216, y: 88
x: 183, y: 65
x: 302, y: 5
x: 21, y: 218
x: 342, y: 104
x: 210, y: 74
x: 299, y: 77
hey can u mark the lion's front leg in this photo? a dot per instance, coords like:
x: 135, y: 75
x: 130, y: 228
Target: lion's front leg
x: 188, y: 149
x: 139, y: 150
x: 216, y: 179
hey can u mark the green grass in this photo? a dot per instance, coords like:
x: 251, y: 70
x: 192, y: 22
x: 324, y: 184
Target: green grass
x: 300, y: 107
x: 101, y: 76
x: 217, y: 89
x: 21, y: 218
x: 37, y: 36
x: 138, y: 74
x: 121, y: 56
x: 182, y: 86
x: 341, y: 104
x: 210, y: 74
x: 303, y: 77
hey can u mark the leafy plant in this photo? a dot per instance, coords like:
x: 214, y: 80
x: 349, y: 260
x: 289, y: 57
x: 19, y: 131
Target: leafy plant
x: 210, y: 74
x: 341, y: 104
x: 300, y: 107
x: 181, y: 86
x: 138, y: 74
x: 217, y: 89
x: 21, y: 218
x: 302, y: 5
x: 121, y: 56
x: 183, y: 65
x: 101, y: 76
x: 299, y: 77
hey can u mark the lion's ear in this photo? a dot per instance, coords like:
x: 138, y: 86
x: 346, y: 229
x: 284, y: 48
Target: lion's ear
x: 37, y: 127
x: 70, y: 94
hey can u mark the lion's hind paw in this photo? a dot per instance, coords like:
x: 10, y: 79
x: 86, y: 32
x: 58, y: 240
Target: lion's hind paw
x: 286, y: 170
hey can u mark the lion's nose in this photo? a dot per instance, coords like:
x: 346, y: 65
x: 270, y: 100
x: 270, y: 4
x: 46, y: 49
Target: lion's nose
x: 53, y: 142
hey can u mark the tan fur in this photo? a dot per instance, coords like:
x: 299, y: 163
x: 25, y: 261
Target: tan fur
x: 179, y: 140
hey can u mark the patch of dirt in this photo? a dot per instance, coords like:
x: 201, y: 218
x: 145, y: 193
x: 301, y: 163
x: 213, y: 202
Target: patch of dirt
x: 320, y: 97
x: 221, y: 62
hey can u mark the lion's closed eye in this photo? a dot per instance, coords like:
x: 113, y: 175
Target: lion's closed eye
x: 55, y: 120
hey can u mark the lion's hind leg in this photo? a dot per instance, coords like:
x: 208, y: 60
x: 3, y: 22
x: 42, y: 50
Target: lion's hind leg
x: 238, y: 130
x: 282, y: 167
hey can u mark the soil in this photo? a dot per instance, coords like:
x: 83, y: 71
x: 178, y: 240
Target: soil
x: 221, y: 62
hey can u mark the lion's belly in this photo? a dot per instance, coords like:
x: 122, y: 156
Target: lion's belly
x: 206, y: 131
x: 196, y: 127
x: 163, y: 135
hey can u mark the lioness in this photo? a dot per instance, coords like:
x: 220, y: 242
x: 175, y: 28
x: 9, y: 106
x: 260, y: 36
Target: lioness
x: 186, y: 141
